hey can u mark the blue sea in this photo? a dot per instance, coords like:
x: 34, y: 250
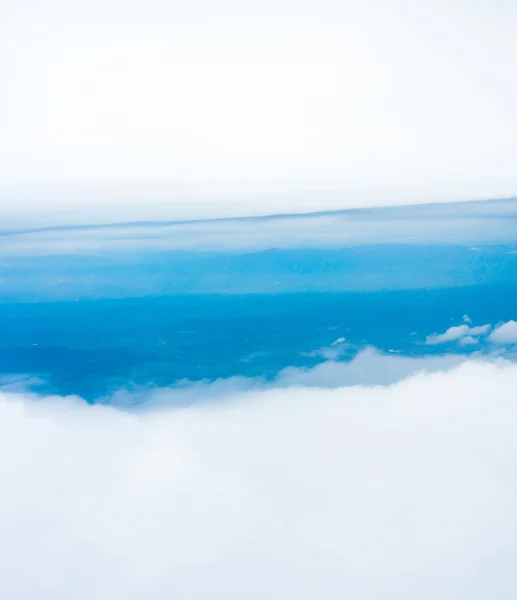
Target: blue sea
x: 91, y: 310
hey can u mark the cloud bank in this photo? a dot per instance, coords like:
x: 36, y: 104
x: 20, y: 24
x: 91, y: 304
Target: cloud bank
x: 505, y: 334
x: 454, y: 223
x: 400, y: 491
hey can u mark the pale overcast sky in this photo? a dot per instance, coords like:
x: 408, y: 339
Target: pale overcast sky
x: 323, y: 104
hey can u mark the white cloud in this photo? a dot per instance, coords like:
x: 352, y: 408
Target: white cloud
x: 468, y: 340
x: 480, y: 330
x: 406, y: 491
x: 452, y: 334
x: 458, y: 333
x: 505, y: 333
x: 369, y: 367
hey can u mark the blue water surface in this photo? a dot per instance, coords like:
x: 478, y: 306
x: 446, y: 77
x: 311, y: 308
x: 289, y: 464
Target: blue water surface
x: 89, y: 323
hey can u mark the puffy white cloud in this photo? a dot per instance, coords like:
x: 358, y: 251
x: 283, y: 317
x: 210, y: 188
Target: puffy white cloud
x: 505, y: 333
x: 403, y: 491
x: 453, y: 333
x: 458, y: 332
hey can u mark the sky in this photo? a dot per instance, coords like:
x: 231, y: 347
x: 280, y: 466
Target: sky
x: 116, y: 110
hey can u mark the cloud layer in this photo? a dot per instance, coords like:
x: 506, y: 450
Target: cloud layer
x: 400, y: 492
x: 456, y: 223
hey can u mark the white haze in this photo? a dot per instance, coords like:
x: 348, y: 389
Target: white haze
x: 397, y: 492
x: 202, y: 108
